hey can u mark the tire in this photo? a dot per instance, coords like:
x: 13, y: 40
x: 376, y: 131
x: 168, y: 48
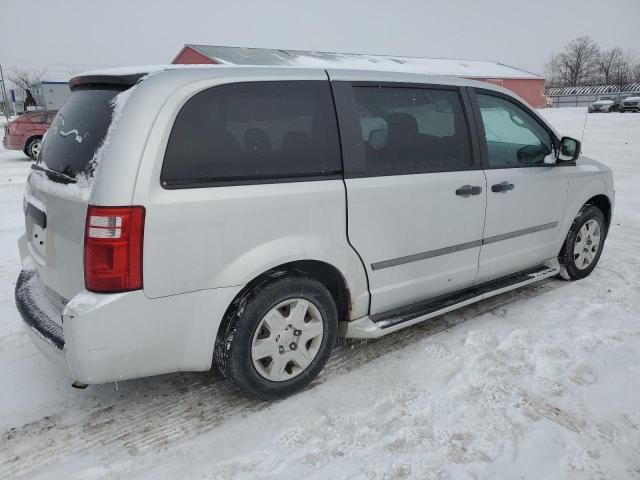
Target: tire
x: 255, y: 346
x: 586, y: 237
x: 32, y: 148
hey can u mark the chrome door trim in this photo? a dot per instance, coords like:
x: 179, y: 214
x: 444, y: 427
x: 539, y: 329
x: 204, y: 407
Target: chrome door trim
x: 424, y: 255
x: 518, y: 233
x: 394, y: 262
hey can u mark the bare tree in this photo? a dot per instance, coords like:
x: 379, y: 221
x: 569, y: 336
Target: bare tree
x: 25, y: 80
x: 609, y: 61
x: 622, y: 69
x: 636, y: 73
x: 555, y: 72
x: 577, y: 64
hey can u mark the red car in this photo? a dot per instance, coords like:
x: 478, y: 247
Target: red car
x: 25, y: 132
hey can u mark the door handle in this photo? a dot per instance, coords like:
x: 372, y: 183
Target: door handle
x: 502, y: 187
x: 468, y: 190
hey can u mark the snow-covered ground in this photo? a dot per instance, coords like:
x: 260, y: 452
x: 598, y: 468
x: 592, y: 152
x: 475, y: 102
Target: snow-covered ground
x: 542, y: 383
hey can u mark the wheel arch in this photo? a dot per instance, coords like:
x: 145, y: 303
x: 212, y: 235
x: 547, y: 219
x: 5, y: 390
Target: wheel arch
x: 604, y: 204
x: 323, y: 272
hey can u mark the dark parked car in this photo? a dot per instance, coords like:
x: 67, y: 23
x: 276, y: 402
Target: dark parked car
x: 25, y: 132
x: 630, y: 104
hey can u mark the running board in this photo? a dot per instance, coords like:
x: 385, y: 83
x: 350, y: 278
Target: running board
x: 378, y: 325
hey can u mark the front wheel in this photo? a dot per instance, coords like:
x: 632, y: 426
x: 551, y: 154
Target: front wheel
x: 277, y: 336
x: 583, y: 245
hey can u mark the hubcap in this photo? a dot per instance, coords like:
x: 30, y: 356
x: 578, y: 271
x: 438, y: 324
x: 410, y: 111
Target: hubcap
x: 287, y: 340
x: 35, y: 148
x: 587, y: 244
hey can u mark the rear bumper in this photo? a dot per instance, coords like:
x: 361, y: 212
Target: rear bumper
x: 106, y: 338
x: 38, y: 315
x: 36, y: 312
x: 13, y: 142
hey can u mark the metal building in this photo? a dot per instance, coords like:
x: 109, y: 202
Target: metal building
x: 50, y: 95
x: 526, y: 84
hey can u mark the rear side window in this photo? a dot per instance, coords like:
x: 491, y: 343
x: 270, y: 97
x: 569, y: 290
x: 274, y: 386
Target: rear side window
x: 251, y: 132
x: 412, y: 130
x: 78, y: 130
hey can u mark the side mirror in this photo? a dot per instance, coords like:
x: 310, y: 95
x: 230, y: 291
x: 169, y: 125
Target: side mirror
x: 569, y: 150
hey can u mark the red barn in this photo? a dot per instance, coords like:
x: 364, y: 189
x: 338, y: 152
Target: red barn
x: 525, y: 84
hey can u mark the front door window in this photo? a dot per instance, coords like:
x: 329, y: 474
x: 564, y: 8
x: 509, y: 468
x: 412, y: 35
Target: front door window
x: 514, y: 138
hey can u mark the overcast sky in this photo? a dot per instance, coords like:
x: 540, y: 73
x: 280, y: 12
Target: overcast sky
x: 83, y: 34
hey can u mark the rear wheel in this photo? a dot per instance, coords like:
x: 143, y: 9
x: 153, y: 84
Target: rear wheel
x: 583, y: 245
x: 33, y: 147
x: 278, y: 336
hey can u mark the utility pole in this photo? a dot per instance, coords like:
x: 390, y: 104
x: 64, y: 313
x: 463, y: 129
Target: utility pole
x: 3, y: 91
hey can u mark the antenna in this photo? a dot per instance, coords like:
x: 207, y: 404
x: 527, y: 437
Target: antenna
x: 584, y: 127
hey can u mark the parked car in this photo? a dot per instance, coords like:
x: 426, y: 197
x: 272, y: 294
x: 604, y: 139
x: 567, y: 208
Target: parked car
x: 250, y: 215
x: 630, y: 104
x: 605, y: 104
x: 25, y: 132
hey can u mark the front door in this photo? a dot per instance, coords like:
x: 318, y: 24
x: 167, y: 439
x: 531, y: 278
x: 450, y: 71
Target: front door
x: 525, y: 196
x: 416, y: 199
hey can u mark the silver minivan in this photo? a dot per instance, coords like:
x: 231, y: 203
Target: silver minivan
x: 249, y: 216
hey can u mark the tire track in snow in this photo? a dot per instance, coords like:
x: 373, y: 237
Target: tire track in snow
x: 153, y: 414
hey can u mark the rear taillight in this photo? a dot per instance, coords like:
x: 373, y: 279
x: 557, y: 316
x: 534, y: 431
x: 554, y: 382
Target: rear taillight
x: 113, y: 249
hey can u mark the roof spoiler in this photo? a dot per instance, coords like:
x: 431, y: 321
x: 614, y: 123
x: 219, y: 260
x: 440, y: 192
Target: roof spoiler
x: 124, y: 81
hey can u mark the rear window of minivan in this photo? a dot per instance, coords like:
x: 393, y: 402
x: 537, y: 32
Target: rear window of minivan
x: 254, y: 132
x: 78, y: 130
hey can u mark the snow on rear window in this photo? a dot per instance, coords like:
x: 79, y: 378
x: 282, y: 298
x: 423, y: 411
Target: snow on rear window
x: 78, y: 131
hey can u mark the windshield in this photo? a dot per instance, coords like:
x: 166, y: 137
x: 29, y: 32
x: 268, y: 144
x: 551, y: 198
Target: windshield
x: 78, y: 130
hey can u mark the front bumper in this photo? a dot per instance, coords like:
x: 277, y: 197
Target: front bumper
x: 99, y: 338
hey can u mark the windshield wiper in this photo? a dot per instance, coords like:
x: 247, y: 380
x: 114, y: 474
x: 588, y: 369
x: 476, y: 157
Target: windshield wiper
x: 53, y: 175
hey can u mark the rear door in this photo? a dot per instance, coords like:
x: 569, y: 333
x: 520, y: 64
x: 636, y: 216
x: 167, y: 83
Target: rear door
x: 416, y: 197
x: 525, y: 196
x: 58, y: 190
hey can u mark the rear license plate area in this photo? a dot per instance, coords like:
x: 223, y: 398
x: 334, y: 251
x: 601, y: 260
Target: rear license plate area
x: 37, y: 231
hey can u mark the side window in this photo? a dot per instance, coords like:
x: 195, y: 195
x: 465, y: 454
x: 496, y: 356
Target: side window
x: 514, y: 138
x: 254, y: 131
x: 50, y: 117
x: 412, y: 130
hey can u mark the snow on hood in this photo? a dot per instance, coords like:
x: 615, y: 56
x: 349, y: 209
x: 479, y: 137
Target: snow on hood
x: 632, y: 99
x: 603, y: 102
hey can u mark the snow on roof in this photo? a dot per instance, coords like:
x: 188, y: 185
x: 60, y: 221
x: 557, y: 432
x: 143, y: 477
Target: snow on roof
x: 427, y: 66
x: 132, y: 70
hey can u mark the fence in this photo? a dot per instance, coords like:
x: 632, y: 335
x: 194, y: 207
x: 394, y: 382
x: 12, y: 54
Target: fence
x: 583, y: 96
